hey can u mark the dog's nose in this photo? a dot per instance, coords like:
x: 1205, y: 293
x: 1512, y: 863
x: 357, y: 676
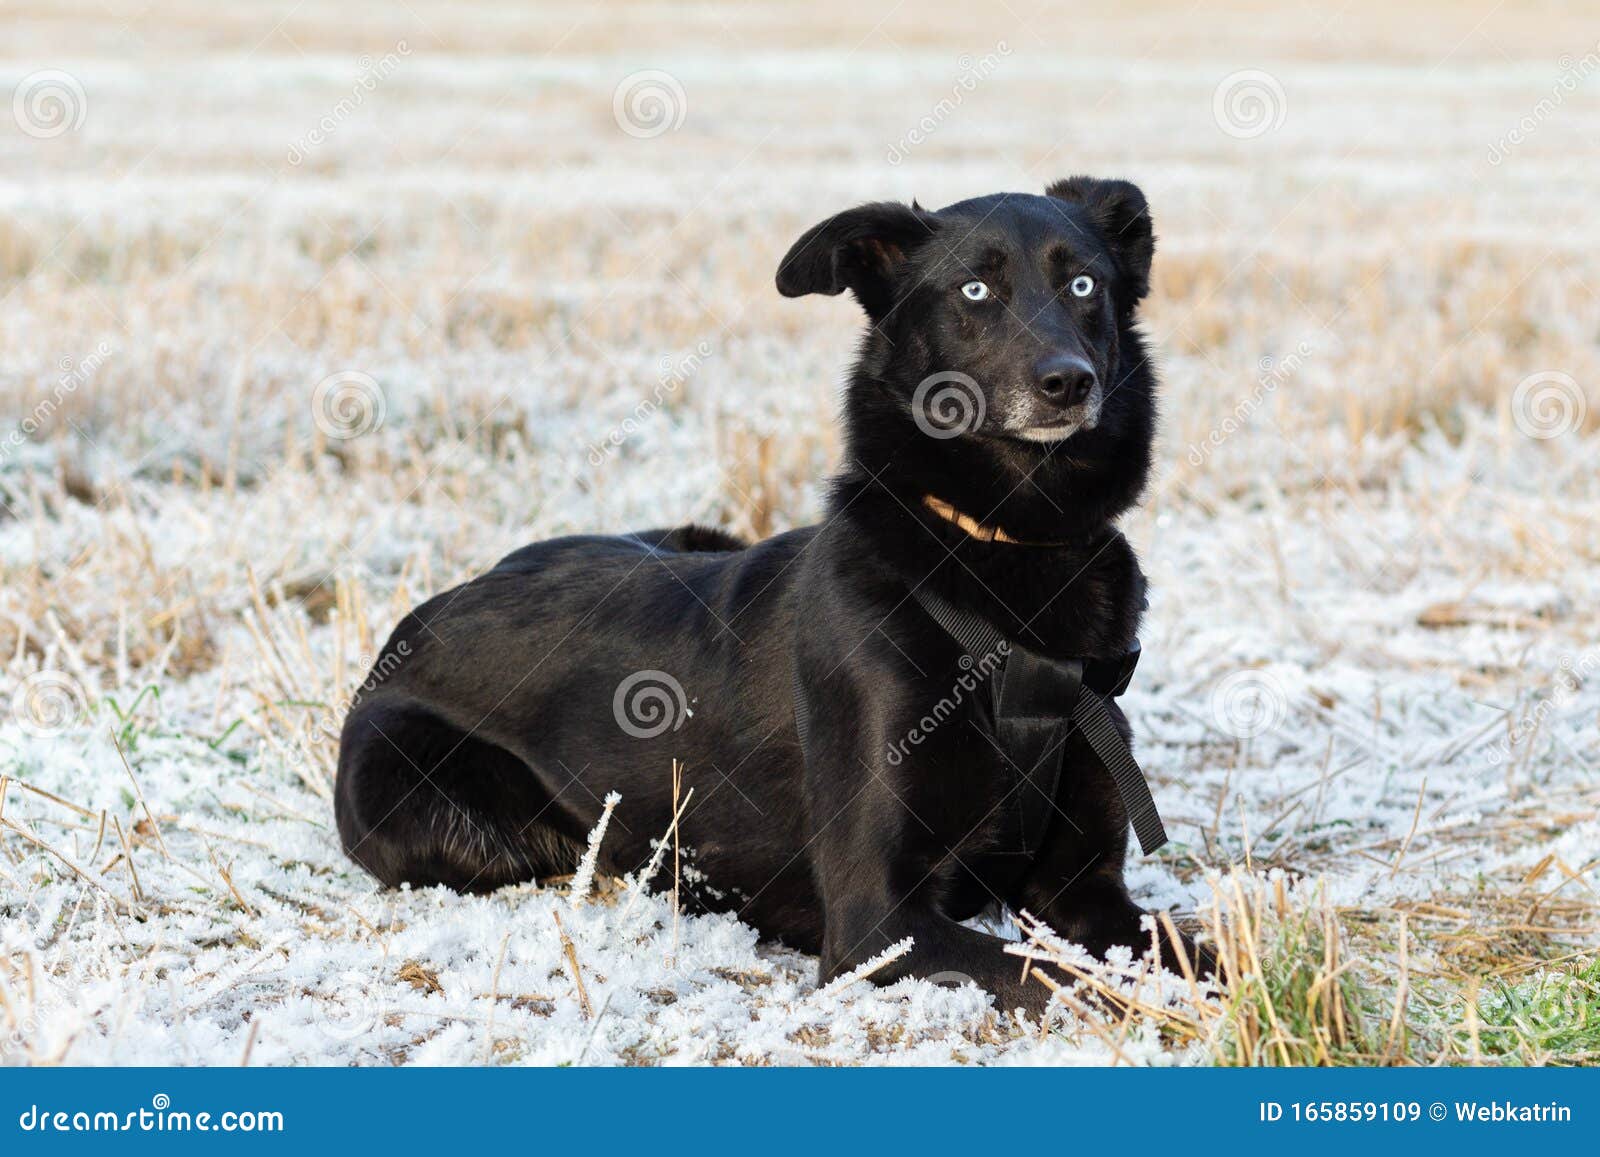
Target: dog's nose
x: 1065, y: 379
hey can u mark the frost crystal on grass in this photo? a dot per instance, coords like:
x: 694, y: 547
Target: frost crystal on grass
x: 583, y: 878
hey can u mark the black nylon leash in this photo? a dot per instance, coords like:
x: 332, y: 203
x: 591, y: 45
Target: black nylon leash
x: 1035, y: 697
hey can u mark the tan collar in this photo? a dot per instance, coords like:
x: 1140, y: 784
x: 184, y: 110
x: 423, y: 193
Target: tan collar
x: 972, y: 526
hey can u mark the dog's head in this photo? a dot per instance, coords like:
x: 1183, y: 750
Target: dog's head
x: 999, y: 318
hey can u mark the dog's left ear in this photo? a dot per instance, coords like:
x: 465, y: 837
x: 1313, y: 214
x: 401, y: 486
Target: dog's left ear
x: 860, y: 250
x: 1123, y: 215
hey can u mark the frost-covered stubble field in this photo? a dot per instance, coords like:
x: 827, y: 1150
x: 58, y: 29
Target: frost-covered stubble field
x: 305, y: 315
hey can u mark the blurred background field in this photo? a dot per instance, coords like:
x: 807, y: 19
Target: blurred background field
x: 309, y: 311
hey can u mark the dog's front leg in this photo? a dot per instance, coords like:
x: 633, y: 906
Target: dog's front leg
x: 881, y: 865
x: 879, y: 886
x: 1076, y: 883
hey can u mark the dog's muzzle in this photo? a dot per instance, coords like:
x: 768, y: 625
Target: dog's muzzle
x: 1036, y: 427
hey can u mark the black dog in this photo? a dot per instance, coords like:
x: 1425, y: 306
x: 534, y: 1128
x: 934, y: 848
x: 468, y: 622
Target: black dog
x: 999, y: 419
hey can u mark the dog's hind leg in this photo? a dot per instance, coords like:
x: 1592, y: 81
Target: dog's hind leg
x: 422, y: 802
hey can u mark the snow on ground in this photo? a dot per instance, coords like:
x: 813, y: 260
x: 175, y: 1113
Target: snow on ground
x: 262, y: 404
x: 247, y: 928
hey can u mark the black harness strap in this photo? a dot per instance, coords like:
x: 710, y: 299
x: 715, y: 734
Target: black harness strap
x: 1036, y: 692
x: 974, y: 634
x: 1032, y: 729
x: 1037, y: 701
x: 1094, y: 720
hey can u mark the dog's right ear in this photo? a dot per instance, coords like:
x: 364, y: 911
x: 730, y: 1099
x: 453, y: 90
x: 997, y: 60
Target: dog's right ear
x: 1120, y: 209
x: 860, y: 249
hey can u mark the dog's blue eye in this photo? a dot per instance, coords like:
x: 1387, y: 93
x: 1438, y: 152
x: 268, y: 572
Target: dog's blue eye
x: 1082, y: 285
x: 975, y: 291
